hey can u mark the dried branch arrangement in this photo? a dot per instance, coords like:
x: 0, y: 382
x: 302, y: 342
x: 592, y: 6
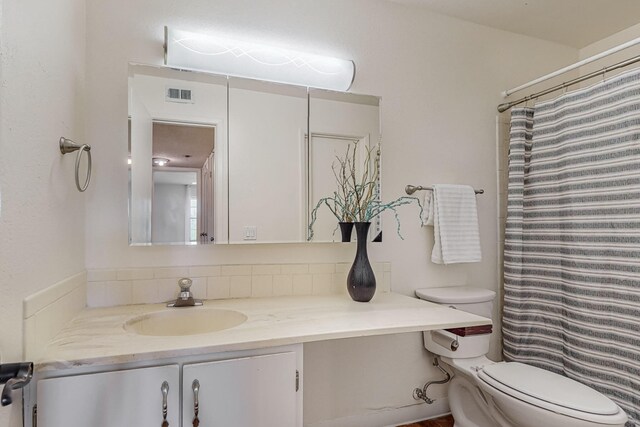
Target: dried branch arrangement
x: 357, y: 198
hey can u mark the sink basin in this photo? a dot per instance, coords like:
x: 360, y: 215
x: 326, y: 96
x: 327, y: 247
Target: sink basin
x: 184, y: 321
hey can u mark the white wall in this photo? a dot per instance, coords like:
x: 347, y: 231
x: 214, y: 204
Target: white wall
x: 41, y: 212
x: 440, y: 81
x: 607, y: 43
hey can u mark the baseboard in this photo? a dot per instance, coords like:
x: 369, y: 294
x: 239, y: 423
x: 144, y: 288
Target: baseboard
x: 389, y: 417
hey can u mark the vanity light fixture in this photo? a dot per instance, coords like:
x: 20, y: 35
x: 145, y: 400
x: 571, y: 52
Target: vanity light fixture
x: 160, y: 161
x: 199, y: 52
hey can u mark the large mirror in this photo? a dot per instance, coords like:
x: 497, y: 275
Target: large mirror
x: 268, y: 124
x: 177, y: 157
x: 216, y: 159
x: 340, y: 123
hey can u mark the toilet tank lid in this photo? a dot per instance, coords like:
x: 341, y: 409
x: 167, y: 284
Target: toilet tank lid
x: 456, y: 295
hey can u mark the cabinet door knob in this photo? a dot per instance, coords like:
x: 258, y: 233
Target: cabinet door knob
x: 196, y: 403
x: 165, y: 395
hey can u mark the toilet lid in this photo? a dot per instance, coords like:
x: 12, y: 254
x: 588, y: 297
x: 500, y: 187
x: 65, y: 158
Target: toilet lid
x: 548, y: 387
x: 456, y: 295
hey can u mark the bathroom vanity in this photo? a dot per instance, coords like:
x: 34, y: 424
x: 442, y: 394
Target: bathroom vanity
x: 125, y: 365
x: 223, y: 385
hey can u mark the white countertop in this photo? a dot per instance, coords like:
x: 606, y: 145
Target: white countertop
x: 97, y: 335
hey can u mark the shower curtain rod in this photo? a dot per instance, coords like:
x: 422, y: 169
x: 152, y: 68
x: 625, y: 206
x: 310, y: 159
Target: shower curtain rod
x: 571, y: 67
x: 505, y: 106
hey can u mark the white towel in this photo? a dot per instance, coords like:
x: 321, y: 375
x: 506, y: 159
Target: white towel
x: 452, y: 211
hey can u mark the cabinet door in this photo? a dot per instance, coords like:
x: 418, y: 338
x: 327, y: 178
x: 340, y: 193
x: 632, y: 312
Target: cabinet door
x: 257, y: 391
x: 131, y: 398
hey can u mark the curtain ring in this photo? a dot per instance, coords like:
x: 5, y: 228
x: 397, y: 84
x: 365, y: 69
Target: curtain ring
x: 87, y: 180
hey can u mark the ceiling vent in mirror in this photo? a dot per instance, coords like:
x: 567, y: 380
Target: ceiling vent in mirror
x: 173, y: 94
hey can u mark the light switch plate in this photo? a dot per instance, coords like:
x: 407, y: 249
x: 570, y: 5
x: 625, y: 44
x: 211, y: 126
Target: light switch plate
x: 250, y: 232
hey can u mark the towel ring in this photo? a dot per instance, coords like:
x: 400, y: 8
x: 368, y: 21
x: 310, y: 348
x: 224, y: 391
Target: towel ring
x: 68, y: 146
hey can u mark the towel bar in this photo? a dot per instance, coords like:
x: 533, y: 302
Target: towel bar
x: 410, y: 189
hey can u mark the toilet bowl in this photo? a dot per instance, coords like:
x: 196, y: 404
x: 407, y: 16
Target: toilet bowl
x: 484, y: 393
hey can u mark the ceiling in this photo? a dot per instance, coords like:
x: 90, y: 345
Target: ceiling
x: 177, y: 141
x: 576, y: 23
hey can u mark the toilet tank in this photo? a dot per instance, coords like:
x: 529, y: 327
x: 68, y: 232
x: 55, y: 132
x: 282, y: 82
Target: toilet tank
x: 466, y: 298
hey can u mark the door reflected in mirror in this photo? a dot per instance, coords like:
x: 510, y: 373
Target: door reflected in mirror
x: 338, y: 123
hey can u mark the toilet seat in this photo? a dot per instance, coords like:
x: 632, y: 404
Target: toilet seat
x: 549, y: 391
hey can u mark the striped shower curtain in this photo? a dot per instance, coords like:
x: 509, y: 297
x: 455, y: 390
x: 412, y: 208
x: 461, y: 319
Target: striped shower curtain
x: 572, y: 241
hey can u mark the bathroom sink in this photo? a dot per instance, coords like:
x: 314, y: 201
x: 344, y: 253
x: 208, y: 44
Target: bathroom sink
x: 184, y: 321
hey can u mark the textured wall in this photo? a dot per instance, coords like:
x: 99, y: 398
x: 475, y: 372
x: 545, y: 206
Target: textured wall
x: 440, y: 80
x: 608, y: 43
x: 41, y: 212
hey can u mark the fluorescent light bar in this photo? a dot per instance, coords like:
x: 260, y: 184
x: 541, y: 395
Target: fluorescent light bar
x: 198, y: 52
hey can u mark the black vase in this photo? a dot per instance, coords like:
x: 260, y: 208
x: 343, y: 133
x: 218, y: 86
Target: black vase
x: 345, y: 229
x: 361, y: 282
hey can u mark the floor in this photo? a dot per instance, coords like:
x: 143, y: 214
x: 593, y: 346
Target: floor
x: 436, y: 422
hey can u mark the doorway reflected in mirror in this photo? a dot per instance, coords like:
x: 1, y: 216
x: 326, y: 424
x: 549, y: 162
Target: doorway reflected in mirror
x: 177, y: 157
x: 182, y: 208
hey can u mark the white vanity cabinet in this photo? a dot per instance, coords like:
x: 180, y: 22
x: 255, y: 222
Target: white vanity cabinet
x: 253, y: 388
x: 258, y: 391
x: 122, y: 398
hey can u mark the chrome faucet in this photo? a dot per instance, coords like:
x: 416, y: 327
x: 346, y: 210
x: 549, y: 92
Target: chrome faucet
x: 185, y: 299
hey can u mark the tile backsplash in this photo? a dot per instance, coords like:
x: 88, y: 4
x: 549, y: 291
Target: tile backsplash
x: 109, y: 287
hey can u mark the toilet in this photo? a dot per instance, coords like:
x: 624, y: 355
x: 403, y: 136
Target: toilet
x: 484, y: 393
